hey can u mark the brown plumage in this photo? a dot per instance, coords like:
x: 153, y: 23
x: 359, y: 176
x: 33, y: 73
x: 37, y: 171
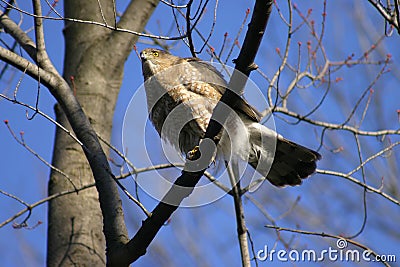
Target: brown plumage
x: 181, y: 95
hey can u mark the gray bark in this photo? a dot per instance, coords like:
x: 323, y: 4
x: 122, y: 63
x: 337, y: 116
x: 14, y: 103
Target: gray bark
x: 95, y: 57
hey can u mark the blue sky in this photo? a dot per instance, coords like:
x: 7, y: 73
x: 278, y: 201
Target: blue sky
x: 327, y: 204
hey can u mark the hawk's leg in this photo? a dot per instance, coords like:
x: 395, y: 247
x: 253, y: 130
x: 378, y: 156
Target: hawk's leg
x: 194, y: 153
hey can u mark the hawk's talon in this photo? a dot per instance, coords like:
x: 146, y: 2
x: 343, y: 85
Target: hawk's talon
x: 194, y: 153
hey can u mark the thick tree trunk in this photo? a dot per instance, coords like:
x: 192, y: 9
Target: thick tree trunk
x: 94, y: 57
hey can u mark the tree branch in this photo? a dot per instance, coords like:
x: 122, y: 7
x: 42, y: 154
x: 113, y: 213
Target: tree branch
x: 392, y: 20
x: 357, y: 244
x: 335, y: 126
x: 358, y: 182
x: 129, y: 19
x: 25, y: 65
x: 134, y: 18
x: 189, y: 28
x: 101, y: 24
x: 110, y: 203
x: 239, y: 212
x: 41, y: 47
x: 185, y: 184
x: 244, y: 64
x: 19, y: 35
x: 42, y: 58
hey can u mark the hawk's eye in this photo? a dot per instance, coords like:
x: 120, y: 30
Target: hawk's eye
x: 155, y: 53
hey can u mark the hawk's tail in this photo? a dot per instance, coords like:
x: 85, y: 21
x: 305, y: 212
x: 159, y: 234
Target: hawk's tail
x: 291, y: 163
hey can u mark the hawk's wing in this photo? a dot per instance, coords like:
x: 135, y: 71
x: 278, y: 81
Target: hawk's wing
x: 214, y: 77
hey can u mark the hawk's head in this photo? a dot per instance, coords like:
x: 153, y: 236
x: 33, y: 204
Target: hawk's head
x: 155, y: 60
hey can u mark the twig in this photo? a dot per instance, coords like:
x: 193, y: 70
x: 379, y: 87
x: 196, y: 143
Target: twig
x: 44, y: 115
x: 102, y: 13
x: 189, y: 29
x: 284, y: 59
x: 67, y: 192
x: 37, y: 98
x: 264, y: 212
x: 118, y: 29
x: 172, y: 5
x: 373, y: 157
x: 233, y: 173
x: 385, y: 14
x: 364, y: 222
x: 381, y: 72
x: 22, y: 143
x: 52, y: 8
x: 119, y: 153
x: 252, y: 249
x: 335, y: 126
x: 278, y: 228
x: 354, y: 180
x: 28, y: 208
x: 212, y: 27
x: 237, y: 35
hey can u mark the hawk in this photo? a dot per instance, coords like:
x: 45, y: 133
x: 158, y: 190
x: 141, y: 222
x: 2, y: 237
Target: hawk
x: 181, y: 96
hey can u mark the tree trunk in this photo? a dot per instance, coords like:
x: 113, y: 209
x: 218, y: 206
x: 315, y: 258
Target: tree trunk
x: 93, y: 64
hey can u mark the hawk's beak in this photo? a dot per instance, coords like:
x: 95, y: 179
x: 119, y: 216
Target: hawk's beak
x: 143, y: 56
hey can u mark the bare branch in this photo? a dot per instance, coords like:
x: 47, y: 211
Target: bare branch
x: 52, y: 8
x: 90, y: 22
x: 356, y: 181
x: 189, y: 29
x: 373, y: 157
x: 101, y: 12
x: 41, y: 47
x: 335, y: 126
x: 67, y: 192
x: 22, y: 142
x: 44, y: 115
x: 327, y: 235
x: 239, y: 212
x: 284, y: 59
x: 264, y: 212
x: 362, y: 227
x: 129, y: 19
x: 114, y: 226
x: 228, y: 56
x: 42, y: 57
x: 172, y: 5
x: 137, y: 246
x: 392, y: 20
x: 25, y: 65
x: 19, y: 35
x: 135, y: 18
x: 29, y: 207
